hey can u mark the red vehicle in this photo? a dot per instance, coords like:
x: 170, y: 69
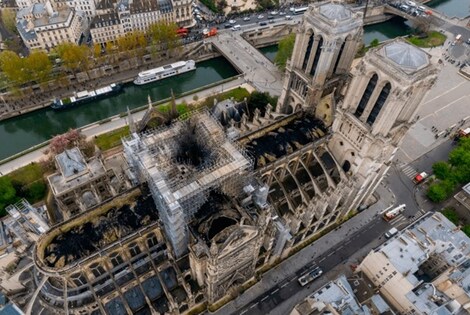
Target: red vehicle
x: 420, y: 177
x: 389, y: 215
x: 182, y: 32
x: 209, y: 33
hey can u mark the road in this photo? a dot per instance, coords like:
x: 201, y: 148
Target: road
x: 337, y: 255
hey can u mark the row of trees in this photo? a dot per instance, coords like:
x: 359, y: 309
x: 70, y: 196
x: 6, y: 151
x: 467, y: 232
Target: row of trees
x: 38, y: 66
x: 452, y: 173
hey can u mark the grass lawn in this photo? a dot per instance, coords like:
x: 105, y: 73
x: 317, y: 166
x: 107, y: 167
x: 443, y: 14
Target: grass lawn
x: 111, y: 139
x: 432, y: 40
x: 238, y: 95
x: 27, y: 182
x: 27, y: 174
x: 180, y: 108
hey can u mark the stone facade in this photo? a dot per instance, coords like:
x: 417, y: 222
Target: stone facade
x: 46, y: 25
x: 379, y: 107
x: 325, y: 45
x: 80, y: 185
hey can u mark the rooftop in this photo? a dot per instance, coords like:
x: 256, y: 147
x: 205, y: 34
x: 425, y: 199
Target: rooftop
x: 89, y: 232
x: 188, y: 158
x: 335, y: 11
x: 406, y: 55
x: 284, y: 138
x: 74, y: 171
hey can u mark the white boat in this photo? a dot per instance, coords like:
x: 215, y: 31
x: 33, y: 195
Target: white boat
x: 164, y: 72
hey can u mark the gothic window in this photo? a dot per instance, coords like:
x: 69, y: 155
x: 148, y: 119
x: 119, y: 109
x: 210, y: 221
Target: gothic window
x: 134, y: 249
x: 340, y: 53
x: 317, y: 56
x: 78, y: 279
x: 366, y: 95
x: 152, y: 241
x: 116, y: 259
x: 307, y: 52
x: 97, y: 270
x: 379, y: 104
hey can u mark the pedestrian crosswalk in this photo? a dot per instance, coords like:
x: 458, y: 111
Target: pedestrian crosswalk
x: 409, y: 171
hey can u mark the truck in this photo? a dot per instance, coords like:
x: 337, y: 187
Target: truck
x: 389, y: 215
x: 209, y: 33
x: 420, y: 177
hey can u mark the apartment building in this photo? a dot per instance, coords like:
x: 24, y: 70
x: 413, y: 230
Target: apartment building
x: 44, y: 26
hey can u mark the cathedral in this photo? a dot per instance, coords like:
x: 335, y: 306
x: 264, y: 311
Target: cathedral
x: 217, y: 196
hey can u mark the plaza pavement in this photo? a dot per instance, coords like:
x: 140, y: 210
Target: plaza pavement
x: 445, y: 107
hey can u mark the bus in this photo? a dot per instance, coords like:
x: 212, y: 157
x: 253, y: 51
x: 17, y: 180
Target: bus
x: 297, y: 11
x: 389, y: 215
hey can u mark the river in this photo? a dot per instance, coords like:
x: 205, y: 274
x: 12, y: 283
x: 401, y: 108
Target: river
x: 451, y: 8
x: 22, y: 132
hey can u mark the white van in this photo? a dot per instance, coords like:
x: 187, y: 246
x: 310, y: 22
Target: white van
x: 236, y: 27
x: 390, y: 233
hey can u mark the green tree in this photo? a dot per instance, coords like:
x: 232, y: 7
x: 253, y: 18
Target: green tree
x: 260, y: 100
x: 96, y: 50
x: 374, y: 43
x: 164, y: 35
x: 7, y: 193
x: 36, y: 191
x: 74, y: 57
x: 9, y: 19
x: 459, y: 158
x: 450, y: 214
x: 286, y: 47
x: 39, y: 66
x: 436, y: 193
x: 466, y: 229
x: 13, y: 67
x: 442, y: 170
x: 441, y: 191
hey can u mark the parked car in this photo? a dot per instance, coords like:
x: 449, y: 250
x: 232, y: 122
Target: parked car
x: 262, y: 23
x: 260, y: 17
x: 246, y: 18
x: 232, y: 21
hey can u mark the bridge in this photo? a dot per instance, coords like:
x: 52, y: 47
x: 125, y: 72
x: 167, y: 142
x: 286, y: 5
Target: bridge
x: 258, y: 70
x: 388, y: 9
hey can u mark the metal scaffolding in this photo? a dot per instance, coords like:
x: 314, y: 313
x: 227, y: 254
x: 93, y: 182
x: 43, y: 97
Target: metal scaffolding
x: 182, y: 163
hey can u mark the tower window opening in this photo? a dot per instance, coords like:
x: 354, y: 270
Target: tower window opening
x: 338, y: 58
x: 317, y: 56
x: 379, y: 104
x: 308, y: 51
x: 366, y: 95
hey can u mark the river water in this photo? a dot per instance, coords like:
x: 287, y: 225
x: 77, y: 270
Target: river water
x: 451, y: 8
x: 22, y: 132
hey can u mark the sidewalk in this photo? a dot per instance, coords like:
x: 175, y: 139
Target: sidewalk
x: 116, y: 122
x: 290, y: 266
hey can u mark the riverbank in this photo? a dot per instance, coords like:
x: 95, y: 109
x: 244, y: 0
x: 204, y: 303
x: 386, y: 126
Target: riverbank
x: 118, y: 121
x: 124, y: 72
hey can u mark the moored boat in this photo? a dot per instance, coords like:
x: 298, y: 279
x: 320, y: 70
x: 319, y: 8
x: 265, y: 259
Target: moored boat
x: 164, y: 72
x: 83, y: 97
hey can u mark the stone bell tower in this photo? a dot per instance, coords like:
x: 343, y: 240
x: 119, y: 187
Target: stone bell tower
x: 325, y: 45
x: 378, y: 109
